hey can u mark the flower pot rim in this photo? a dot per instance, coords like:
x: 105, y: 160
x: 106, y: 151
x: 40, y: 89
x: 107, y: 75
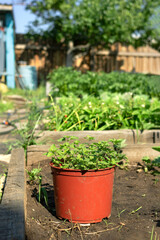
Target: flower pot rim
x: 79, y: 170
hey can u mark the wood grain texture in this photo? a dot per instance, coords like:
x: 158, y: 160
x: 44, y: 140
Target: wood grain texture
x: 12, y: 213
x: 131, y: 136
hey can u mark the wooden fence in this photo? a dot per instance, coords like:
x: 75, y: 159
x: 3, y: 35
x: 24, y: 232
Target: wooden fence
x: 119, y: 58
x: 43, y: 58
x: 126, y: 58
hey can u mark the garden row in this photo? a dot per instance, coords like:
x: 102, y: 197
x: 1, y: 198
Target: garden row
x: 110, y: 112
x: 67, y: 81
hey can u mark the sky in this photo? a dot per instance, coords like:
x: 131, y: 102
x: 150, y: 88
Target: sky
x: 22, y: 17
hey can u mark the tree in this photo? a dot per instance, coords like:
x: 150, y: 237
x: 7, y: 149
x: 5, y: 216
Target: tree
x: 155, y: 24
x: 94, y: 22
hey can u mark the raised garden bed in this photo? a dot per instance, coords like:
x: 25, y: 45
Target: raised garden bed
x: 135, y: 208
x: 12, y: 207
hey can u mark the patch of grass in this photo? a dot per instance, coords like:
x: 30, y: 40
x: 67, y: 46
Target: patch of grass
x: 5, y: 105
x: 39, y: 93
x: 26, y: 133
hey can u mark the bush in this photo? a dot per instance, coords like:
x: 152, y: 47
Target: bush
x: 71, y: 82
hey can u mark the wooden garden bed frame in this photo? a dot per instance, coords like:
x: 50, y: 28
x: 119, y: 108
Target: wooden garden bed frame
x: 12, y: 208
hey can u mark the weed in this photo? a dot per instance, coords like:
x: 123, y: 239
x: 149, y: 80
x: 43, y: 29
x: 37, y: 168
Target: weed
x: 152, y: 166
x: 136, y: 210
x: 154, y: 235
x: 34, y: 174
x: 119, y: 213
x: 156, y: 180
x: 107, y: 223
x: 35, y: 177
x: 44, y: 195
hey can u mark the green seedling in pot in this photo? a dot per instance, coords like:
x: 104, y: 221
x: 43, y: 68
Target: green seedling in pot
x: 84, y: 156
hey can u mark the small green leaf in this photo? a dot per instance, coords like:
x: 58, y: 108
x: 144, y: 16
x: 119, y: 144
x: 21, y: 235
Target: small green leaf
x: 156, y: 148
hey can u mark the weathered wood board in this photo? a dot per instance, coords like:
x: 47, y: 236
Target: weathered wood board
x: 131, y: 136
x: 12, y: 208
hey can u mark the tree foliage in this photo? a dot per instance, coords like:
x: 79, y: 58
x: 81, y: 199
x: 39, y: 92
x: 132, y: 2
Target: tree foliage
x: 96, y: 21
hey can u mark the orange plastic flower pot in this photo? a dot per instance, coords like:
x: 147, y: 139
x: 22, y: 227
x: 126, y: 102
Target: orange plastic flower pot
x: 83, y: 196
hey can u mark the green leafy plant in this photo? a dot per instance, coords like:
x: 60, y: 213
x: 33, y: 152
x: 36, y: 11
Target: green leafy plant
x: 67, y: 81
x: 36, y: 177
x: 152, y: 166
x: 5, y: 105
x: 112, y: 111
x: 84, y: 156
x: 34, y: 174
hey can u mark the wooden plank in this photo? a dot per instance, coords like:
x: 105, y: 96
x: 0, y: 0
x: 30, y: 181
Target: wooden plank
x: 152, y: 65
x: 51, y: 136
x: 130, y: 64
x: 41, y: 149
x: 148, y: 136
x: 136, y: 54
x: 157, y: 66
x: 38, y: 148
x: 136, y: 152
x: 12, y: 213
x: 36, y: 157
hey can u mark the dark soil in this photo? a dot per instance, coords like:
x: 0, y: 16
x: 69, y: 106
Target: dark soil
x: 135, y: 211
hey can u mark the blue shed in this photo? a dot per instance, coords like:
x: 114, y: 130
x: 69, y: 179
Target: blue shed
x: 7, y: 52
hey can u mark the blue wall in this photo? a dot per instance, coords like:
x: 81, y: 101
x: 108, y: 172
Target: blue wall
x: 10, y: 53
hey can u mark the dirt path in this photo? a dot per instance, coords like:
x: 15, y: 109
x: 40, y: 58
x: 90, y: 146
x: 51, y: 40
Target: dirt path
x: 6, y: 139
